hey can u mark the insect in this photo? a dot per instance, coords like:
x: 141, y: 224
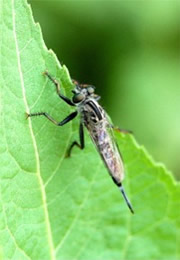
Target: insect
x: 97, y: 122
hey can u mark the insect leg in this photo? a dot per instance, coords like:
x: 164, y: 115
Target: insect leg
x: 75, y: 82
x: 67, y: 100
x: 63, y: 122
x: 121, y: 130
x: 81, y: 138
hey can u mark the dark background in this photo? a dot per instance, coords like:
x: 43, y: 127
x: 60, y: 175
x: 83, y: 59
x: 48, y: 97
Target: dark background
x: 130, y: 50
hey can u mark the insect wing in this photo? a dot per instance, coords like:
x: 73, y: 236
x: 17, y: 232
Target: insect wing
x: 103, y: 137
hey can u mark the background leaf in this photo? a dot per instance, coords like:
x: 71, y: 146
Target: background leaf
x: 57, y: 208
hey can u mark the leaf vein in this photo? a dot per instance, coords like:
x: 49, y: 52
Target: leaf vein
x: 9, y: 231
x: 42, y: 188
x: 59, y: 246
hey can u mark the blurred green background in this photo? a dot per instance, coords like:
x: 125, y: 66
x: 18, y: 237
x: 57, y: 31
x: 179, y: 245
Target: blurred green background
x: 130, y: 50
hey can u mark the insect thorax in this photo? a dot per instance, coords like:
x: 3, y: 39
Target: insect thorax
x: 92, y: 113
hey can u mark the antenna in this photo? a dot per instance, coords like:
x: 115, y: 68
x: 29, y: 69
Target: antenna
x: 126, y: 199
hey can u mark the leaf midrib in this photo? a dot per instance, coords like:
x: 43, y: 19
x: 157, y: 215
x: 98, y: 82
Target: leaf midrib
x: 38, y: 170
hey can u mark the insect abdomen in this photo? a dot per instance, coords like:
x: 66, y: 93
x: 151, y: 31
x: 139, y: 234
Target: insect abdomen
x: 109, y: 154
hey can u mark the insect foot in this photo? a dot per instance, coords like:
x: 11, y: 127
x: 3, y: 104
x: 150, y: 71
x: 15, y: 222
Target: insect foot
x: 26, y: 115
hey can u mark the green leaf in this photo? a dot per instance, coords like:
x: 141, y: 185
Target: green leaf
x: 52, y: 207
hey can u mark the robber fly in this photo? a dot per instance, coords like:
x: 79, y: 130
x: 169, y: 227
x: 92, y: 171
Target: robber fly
x: 95, y: 119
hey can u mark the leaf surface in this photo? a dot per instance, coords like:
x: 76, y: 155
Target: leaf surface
x: 52, y: 207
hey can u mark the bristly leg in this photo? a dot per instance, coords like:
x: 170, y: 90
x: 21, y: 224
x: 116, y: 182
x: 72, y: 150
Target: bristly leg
x: 124, y: 131
x: 67, y: 100
x: 81, y: 138
x: 61, y: 123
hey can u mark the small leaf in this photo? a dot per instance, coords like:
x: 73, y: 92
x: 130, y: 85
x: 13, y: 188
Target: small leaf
x: 52, y: 207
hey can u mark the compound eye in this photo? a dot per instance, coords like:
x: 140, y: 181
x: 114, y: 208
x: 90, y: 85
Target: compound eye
x: 90, y: 90
x: 78, y: 98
